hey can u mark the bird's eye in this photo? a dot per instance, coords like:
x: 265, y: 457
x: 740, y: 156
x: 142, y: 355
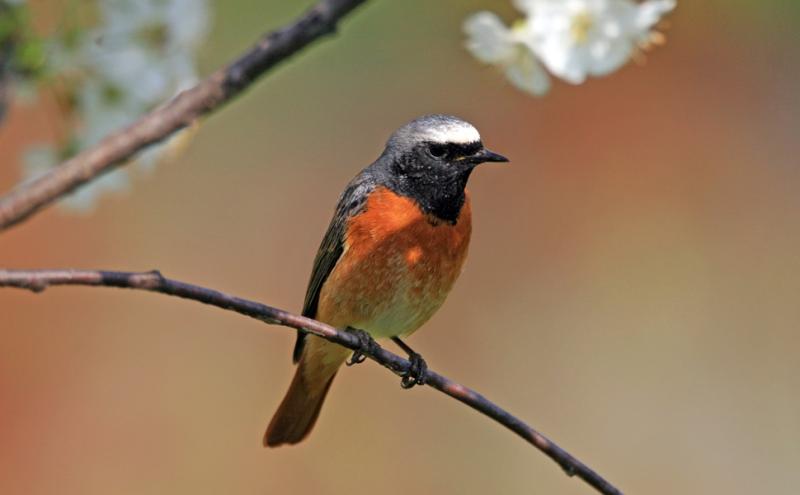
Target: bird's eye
x: 437, y: 150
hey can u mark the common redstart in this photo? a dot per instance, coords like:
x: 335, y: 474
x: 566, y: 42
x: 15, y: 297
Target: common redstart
x: 392, y: 252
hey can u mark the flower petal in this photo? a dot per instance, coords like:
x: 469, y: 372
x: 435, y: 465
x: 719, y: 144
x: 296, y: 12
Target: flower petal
x: 651, y: 11
x: 528, y: 74
x: 489, y: 40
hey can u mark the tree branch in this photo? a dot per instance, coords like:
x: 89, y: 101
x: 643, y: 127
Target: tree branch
x: 207, y: 96
x: 39, y: 280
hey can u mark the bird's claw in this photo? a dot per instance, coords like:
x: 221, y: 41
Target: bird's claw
x: 416, y: 373
x: 366, y: 345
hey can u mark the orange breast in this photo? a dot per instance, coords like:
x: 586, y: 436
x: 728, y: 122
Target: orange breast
x: 397, y: 267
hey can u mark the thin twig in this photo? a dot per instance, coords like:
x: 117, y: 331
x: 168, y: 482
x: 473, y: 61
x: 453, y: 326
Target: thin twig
x: 39, y: 280
x: 179, y: 112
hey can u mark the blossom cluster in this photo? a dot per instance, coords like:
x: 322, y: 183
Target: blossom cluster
x: 137, y: 55
x: 572, y: 39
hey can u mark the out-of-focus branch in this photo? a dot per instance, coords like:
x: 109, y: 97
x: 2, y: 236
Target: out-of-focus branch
x: 39, y: 280
x: 207, y: 96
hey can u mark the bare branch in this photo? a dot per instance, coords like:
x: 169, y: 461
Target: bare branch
x: 207, y: 96
x: 39, y: 280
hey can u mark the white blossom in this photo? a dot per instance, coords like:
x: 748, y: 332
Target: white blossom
x: 491, y: 42
x: 103, y: 107
x: 573, y: 39
x: 140, y: 53
x: 146, y: 47
x: 579, y: 38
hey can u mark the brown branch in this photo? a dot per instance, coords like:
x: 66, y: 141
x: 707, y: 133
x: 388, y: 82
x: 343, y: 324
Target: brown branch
x: 39, y: 280
x: 185, y: 108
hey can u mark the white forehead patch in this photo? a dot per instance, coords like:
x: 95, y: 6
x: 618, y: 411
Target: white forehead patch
x: 443, y: 129
x: 459, y: 132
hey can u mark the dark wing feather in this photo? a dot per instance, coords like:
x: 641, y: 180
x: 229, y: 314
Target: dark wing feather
x: 350, y: 203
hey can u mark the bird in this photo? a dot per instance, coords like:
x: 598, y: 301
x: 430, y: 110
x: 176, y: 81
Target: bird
x: 392, y: 252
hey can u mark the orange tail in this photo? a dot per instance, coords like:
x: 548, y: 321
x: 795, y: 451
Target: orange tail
x: 300, y: 408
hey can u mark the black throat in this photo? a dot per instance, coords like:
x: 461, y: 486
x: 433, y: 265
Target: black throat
x: 441, y: 197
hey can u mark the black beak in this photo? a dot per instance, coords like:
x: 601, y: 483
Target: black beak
x: 485, y: 155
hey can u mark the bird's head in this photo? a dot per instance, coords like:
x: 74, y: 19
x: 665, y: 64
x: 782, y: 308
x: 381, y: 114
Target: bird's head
x: 431, y: 158
x: 438, y: 148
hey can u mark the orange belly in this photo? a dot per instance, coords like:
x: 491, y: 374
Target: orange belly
x: 397, y: 267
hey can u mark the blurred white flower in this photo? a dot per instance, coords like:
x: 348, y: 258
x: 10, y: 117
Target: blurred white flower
x: 574, y: 39
x: 37, y: 160
x: 103, y: 107
x: 579, y: 38
x: 140, y: 53
x: 147, y: 47
x: 144, y: 52
x: 491, y: 42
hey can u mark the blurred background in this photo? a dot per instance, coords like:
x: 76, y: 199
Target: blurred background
x: 632, y: 287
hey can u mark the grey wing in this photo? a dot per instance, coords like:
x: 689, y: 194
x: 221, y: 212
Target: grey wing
x: 330, y: 250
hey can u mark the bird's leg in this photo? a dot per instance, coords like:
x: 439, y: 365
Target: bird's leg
x: 366, y: 345
x: 416, y: 374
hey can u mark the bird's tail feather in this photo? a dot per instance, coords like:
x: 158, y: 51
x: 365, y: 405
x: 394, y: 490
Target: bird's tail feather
x: 300, y: 408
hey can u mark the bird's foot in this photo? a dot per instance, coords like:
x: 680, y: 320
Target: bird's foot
x: 366, y: 345
x: 416, y: 373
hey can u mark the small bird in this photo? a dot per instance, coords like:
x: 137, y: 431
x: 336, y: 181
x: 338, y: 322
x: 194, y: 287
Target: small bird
x: 392, y: 252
